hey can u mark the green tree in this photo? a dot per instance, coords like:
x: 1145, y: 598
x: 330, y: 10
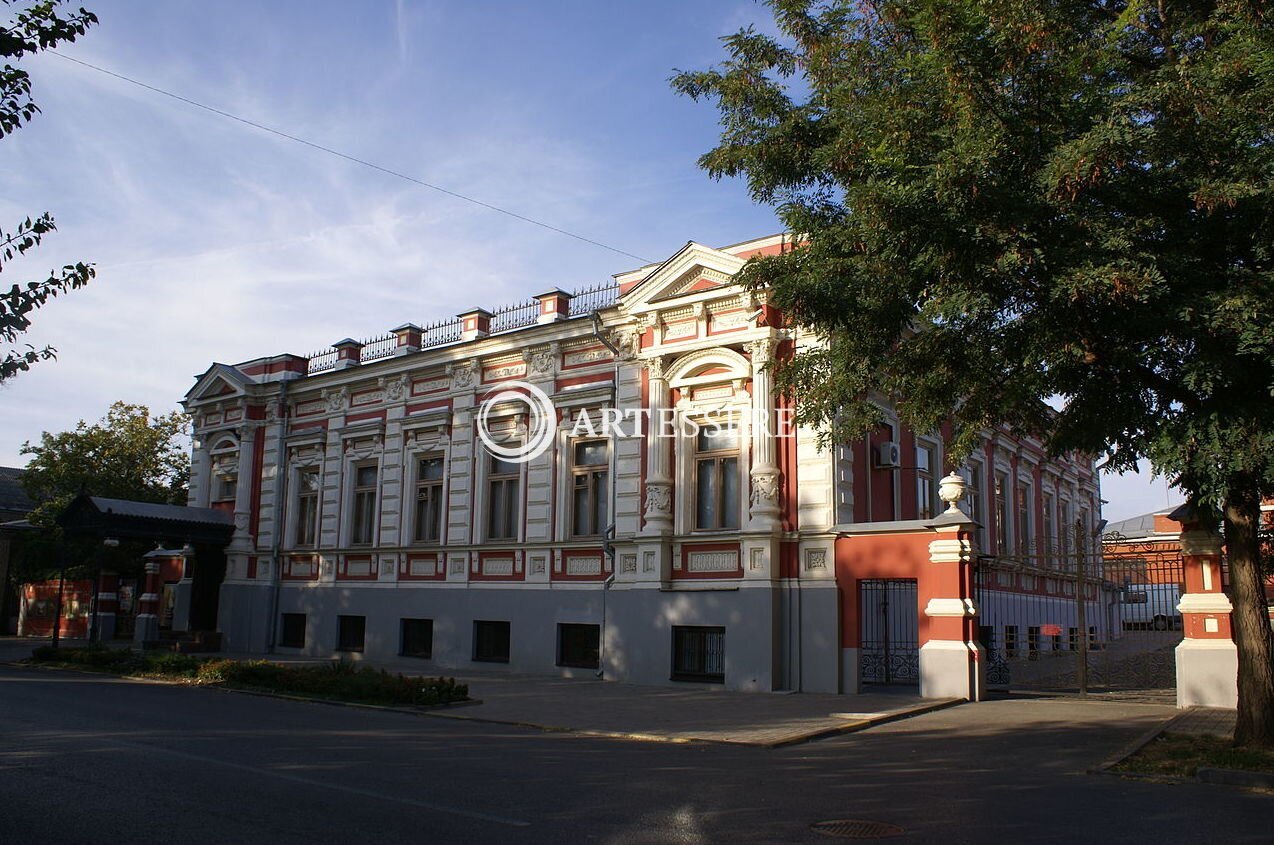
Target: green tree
x: 127, y: 455
x: 32, y: 28
x: 1052, y: 213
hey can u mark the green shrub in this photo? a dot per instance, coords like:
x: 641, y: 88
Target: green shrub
x: 339, y: 680
x: 94, y: 656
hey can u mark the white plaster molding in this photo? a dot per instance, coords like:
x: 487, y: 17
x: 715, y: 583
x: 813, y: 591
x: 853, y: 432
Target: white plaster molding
x: 1205, y: 603
x: 957, y: 608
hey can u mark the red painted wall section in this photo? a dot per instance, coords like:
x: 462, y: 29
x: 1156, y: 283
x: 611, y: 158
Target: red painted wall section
x: 862, y: 466
x: 882, y: 481
x: 861, y: 557
x: 41, y: 597
x: 908, y: 474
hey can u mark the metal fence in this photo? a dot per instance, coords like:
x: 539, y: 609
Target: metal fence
x: 1096, y: 620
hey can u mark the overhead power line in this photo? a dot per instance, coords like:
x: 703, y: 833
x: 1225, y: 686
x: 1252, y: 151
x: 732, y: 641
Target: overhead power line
x: 280, y: 133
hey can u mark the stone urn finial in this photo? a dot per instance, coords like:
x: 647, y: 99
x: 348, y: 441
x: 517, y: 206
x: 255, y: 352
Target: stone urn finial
x: 951, y: 491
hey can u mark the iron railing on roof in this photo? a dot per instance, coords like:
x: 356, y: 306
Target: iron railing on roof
x: 441, y: 332
x: 322, y: 361
x: 379, y: 347
x: 516, y: 316
x: 587, y: 300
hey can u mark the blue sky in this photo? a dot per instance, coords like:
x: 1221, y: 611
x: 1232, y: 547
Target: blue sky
x: 217, y: 242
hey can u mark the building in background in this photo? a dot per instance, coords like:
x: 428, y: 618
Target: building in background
x: 372, y: 519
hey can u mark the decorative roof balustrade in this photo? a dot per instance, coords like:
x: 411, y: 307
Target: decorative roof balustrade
x: 507, y: 318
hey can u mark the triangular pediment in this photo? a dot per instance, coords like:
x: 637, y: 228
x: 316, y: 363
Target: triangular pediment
x: 694, y: 270
x: 219, y: 382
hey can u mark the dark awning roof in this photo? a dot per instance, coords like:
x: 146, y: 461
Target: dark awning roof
x: 145, y: 520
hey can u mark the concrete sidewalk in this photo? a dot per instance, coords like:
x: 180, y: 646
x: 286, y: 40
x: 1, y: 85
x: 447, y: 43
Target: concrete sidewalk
x: 690, y: 713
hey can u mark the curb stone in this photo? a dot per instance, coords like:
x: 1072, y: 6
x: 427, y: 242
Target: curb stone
x: 1204, y: 774
x: 852, y: 726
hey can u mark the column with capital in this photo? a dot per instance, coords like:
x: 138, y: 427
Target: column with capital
x: 658, y: 507
x: 764, y: 475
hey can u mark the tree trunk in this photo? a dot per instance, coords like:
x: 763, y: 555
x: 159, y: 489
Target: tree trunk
x: 1250, y: 620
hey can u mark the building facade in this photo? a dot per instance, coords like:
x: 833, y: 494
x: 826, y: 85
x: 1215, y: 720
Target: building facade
x: 673, y: 526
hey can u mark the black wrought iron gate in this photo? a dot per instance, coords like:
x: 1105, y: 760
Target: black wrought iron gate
x: 889, y: 625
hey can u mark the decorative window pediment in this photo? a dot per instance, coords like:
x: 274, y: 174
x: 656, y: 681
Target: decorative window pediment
x: 694, y: 270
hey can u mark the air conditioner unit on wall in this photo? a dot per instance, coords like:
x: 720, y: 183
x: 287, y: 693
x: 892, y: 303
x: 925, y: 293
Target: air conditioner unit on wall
x: 888, y: 455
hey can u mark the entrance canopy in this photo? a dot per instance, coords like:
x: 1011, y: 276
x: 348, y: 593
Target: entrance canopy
x: 177, y: 524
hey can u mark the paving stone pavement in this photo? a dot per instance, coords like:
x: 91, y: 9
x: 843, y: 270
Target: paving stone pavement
x: 1203, y: 721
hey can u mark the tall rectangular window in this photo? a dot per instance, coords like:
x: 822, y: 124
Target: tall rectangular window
x: 502, y: 499
x: 307, y: 505
x: 363, y: 526
x: 717, y: 478
x: 972, y: 503
x: 926, y: 483
x: 1002, y: 493
x: 1025, y: 524
x: 698, y: 654
x: 428, y: 513
x: 589, y: 477
x: 1050, y: 527
x: 1065, y: 533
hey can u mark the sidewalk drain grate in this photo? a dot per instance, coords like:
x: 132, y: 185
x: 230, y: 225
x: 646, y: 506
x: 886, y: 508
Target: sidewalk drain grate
x: 856, y: 829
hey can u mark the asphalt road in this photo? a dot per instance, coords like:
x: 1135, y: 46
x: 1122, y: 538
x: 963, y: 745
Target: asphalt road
x: 90, y: 759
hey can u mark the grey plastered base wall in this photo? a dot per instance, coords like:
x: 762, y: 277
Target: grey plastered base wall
x: 243, y: 614
x: 639, y: 622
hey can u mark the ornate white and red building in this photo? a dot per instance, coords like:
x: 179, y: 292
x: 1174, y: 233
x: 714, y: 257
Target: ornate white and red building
x: 371, y: 519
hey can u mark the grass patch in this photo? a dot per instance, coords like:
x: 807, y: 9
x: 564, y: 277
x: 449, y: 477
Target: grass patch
x: 1182, y: 755
x: 336, y: 681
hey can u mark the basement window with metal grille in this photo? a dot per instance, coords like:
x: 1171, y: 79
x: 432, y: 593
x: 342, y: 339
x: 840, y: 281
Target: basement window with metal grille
x: 698, y: 654
x: 578, y: 646
x: 417, y: 638
x: 350, y: 632
x: 292, y: 634
x: 490, y: 641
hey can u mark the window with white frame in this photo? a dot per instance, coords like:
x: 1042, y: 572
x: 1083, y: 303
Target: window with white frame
x: 973, y: 504
x: 363, y: 511
x: 1025, y: 520
x: 427, y: 514
x: 1002, y: 493
x: 225, y: 471
x: 1050, y: 525
x: 1065, y: 532
x: 589, y: 487
x: 716, y: 470
x: 926, y: 482
x: 502, y: 499
x: 307, y: 507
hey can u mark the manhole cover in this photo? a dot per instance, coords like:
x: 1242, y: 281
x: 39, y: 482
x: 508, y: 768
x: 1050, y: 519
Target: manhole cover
x: 856, y: 829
